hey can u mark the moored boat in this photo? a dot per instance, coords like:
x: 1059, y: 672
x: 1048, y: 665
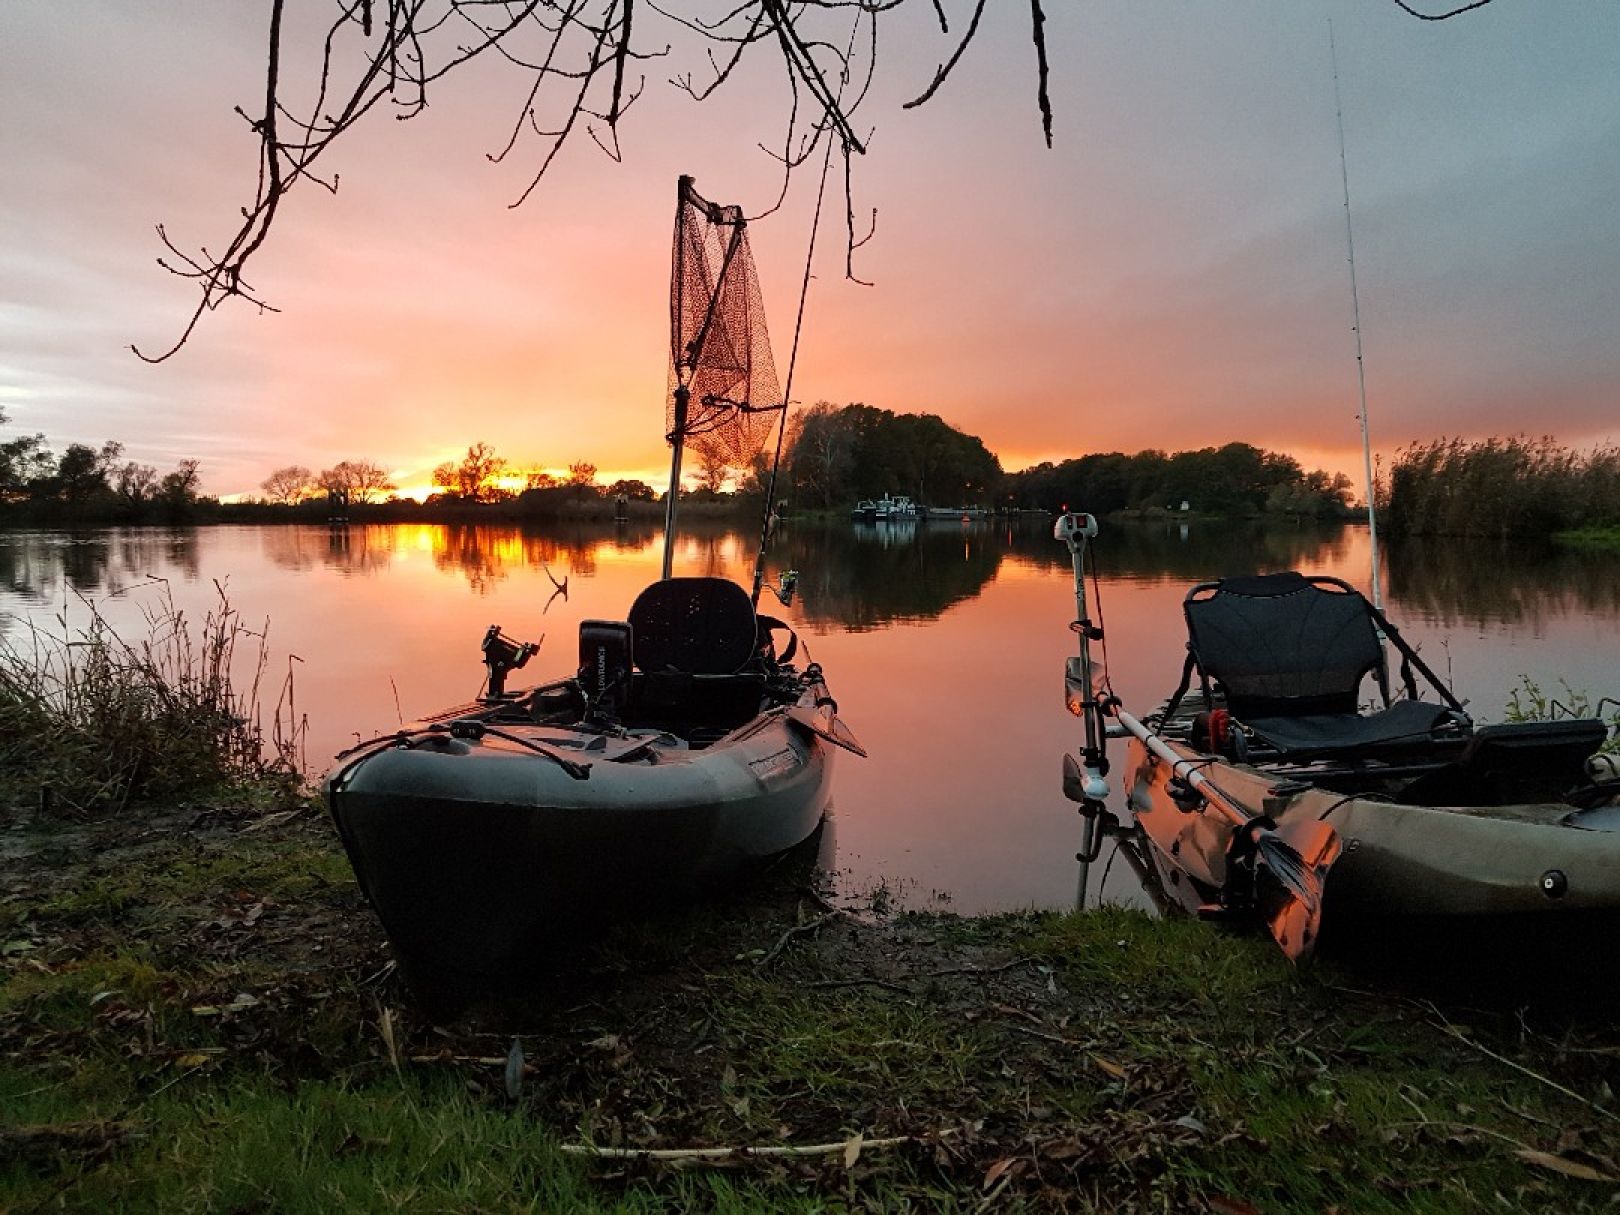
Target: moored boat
x: 687, y: 747
x: 1408, y: 828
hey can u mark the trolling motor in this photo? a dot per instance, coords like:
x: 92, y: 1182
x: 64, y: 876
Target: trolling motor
x: 1084, y: 683
x: 502, y: 656
x: 1085, y: 689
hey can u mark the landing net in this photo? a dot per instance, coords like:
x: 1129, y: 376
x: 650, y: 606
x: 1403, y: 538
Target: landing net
x: 719, y: 348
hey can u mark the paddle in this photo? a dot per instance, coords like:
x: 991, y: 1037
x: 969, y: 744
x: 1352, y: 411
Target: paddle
x: 829, y: 728
x: 1296, y: 856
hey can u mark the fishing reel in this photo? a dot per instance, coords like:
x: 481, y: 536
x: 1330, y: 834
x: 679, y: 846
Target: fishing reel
x: 502, y: 656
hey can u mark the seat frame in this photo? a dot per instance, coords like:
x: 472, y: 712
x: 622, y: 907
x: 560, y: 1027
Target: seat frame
x: 1405, y: 729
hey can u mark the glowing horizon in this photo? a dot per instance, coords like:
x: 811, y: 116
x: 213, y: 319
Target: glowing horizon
x: 1170, y: 276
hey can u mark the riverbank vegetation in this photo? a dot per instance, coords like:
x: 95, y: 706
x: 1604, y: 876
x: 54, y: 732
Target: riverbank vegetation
x: 91, y: 484
x: 1499, y: 487
x: 92, y: 723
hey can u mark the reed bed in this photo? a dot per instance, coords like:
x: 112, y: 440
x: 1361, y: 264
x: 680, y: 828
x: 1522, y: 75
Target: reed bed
x: 91, y: 722
x: 1516, y: 486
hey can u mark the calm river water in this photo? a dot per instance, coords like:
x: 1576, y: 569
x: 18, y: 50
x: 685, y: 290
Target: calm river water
x: 944, y: 644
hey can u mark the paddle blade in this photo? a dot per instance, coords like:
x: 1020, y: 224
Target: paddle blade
x: 831, y: 729
x: 1295, y: 861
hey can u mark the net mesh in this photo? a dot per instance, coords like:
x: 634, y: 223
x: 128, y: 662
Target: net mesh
x: 719, y: 347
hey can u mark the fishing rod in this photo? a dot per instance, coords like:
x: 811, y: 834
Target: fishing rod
x: 1355, y: 312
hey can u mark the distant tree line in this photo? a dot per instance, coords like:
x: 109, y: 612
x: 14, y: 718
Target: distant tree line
x: 1237, y: 479
x: 91, y: 483
x: 1498, y: 487
x: 842, y: 454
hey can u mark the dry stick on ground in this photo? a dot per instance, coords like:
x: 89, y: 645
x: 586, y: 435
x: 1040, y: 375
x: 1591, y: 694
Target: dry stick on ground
x: 1456, y: 1032
x: 796, y: 930
x: 855, y: 1144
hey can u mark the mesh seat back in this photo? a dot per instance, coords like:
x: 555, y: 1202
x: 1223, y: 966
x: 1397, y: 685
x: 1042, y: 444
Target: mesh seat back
x: 1279, y: 644
x: 702, y: 626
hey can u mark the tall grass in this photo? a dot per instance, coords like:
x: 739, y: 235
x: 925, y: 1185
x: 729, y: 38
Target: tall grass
x: 91, y: 722
x: 1500, y: 487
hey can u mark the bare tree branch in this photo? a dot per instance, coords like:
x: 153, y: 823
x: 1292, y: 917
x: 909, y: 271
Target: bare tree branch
x: 1041, y: 96
x: 575, y: 55
x: 1456, y: 12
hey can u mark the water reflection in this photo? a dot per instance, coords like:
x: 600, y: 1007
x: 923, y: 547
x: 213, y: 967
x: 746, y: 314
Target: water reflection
x: 1194, y: 552
x: 1482, y: 583
x: 869, y: 575
x: 864, y: 575
x: 42, y: 566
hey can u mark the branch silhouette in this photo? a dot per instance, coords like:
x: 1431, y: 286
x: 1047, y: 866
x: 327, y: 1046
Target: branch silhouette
x: 577, y: 56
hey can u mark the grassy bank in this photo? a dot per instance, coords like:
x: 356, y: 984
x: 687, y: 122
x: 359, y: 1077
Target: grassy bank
x: 1596, y: 539
x: 197, y: 1012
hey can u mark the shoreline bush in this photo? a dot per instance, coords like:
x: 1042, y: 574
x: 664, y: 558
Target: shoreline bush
x: 1499, y: 487
x: 90, y: 722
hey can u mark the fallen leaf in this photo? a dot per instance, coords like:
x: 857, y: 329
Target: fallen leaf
x: 1109, y: 1066
x: 1223, y: 1205
x: 728, y: 1079
x: 852, y: 1149
x: 187, y: 1062
x: 994, y: 1172
x: 385, y: 1026
x: 1562, y: 1164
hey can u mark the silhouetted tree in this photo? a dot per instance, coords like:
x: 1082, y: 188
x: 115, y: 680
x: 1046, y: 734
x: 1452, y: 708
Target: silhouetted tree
x: 712, y: 471
x: 83, y: 471
x: 23, y: 461
x: 476, y: 478
x: 634, y: 490
x: 135, y: 484
x: 178, y: 490
x: 355, y: 480
x: 288, y: 485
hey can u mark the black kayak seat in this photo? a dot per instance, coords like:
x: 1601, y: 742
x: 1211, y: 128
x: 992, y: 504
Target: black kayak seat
x: 1289, y: 654
x: 695, y: 643
x: 698, y: 626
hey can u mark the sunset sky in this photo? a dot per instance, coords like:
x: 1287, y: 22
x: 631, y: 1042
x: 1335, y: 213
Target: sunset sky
x: 1172, y: 274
